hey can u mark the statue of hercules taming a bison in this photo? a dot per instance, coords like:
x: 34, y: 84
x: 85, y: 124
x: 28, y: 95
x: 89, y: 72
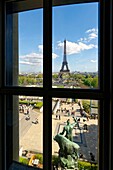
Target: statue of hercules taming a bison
x: 68, y: 152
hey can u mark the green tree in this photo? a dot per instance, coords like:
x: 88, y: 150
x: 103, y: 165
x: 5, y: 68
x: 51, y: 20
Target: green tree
x: 86, y: 105
x: 94, y: 82
x: 88, y: 81
x: 40, y: 75
x: 55, y: 76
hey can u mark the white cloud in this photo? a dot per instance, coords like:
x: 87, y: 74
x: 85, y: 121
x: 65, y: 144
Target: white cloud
x: 29, y: 63
x: 81, y: 39
x: 54, y: 55
x: 31, y: 59
x: 32, y: 55
x: 92, y: 30
x: 34, y: 58
x: 94, y: 61
x: 74, y: 48
x: 40, y: 47
x: 90, y: 35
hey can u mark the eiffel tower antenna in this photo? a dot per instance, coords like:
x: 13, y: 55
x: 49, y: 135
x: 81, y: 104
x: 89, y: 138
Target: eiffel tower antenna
x: 64, y: 63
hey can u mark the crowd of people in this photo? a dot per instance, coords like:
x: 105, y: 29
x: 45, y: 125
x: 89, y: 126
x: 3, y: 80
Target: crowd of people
x: 26, y: 111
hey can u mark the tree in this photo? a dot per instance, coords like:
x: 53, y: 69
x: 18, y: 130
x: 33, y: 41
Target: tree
x: 94, y: 82
x: 40, y: 75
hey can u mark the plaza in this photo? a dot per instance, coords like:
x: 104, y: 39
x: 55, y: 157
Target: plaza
x: 32, y: 139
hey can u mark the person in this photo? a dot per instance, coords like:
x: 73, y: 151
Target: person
x: 81, y: 155
x: 87, y: 117
x: 79, y: 103
x: 68, y: 129
x: 56, y: 116
x: 28, y: 111
x: 85, y: 127
x: 78, y: 120
x: 35, y: 121
x: 59, y: 117
x: 92, y: 156
x: 27, y: 118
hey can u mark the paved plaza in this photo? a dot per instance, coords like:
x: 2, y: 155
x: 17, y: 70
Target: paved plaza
x: 32, y: 140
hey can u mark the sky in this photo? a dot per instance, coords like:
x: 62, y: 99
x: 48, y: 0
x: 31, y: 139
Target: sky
x: 78, y: 24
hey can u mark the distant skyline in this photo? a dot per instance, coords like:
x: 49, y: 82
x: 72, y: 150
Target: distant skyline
x: 78, y: 24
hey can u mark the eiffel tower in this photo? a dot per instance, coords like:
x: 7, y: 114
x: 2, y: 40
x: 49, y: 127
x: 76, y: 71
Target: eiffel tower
x: 64, y: 63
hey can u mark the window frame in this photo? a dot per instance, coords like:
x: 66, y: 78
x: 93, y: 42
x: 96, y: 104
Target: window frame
x: 103, y: 94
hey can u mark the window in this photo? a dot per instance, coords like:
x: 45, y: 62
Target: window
x: 9, y: 91
x: 75, y: 46
x: 76, y: 120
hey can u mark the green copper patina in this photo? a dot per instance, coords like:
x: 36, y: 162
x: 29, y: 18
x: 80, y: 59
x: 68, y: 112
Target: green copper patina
x: 68, y: 128
x: 68, y: 152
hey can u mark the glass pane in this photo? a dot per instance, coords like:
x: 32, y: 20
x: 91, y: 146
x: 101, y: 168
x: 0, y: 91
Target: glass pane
x: 75, y: 46
x: 28, y: 113
x: 25, y: 49
x: 75, y: 133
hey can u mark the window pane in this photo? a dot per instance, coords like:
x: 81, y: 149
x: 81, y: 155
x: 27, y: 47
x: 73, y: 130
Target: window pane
x: 75, y: 46
x: 25, y: 48
x: 31, y: 48
x: 75, y: 133
x: 29, y: 117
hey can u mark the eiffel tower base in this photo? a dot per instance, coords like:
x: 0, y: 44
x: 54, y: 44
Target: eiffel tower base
x: 63, y: 73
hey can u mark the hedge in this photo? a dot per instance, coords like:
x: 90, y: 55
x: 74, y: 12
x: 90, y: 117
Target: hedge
x: 38, y: 105
x: 24, y: 161
x: 26, y: 102
x: 82, y: 165
x: 40, y: 157
x: 55, y: 160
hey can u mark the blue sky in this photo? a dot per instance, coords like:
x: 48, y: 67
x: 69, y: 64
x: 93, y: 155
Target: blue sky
x: 78, y: 24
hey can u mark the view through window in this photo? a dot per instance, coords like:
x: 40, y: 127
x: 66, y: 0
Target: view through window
x: 75, y: 46
x: 30, y: 113
x: 75, y: 120
x: 30, y: 29
x: 74, y: 65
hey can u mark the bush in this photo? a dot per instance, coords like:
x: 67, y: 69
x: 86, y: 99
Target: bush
x: 40, y: 157
x: 55, y: 160
x: 23, y: 160
x: 26, y: 102
x: 38, y: 105
x: 86, y: 106
x: 82, y: 165
x: 76, y: 100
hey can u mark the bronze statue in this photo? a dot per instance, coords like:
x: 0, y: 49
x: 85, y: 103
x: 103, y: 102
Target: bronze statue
x: 68, y: 150
x: 68, y: 128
